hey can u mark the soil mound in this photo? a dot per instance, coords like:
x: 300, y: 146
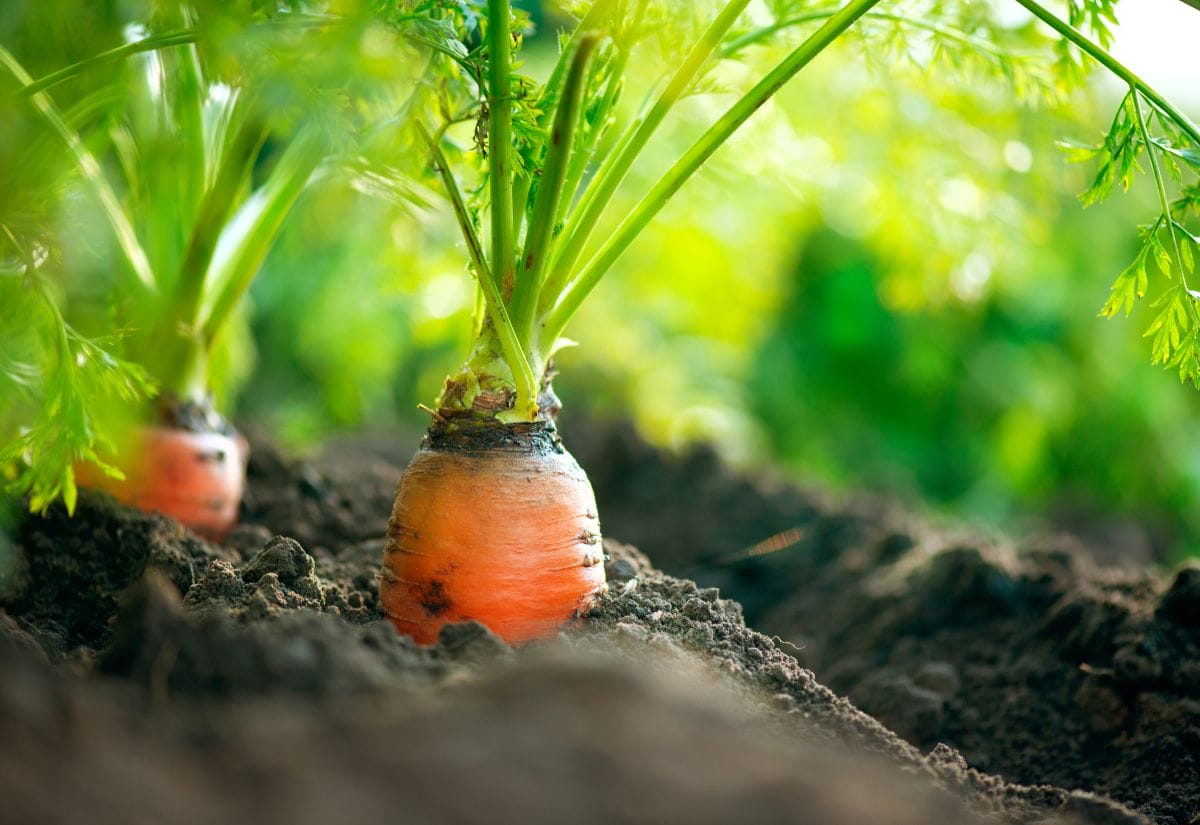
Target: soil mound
x: 1035, y: 662
x: 150, y: 675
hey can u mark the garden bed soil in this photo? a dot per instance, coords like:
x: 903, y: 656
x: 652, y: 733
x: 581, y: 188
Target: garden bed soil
x: 150, y: 676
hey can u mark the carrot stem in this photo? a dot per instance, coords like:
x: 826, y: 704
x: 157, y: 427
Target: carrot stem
x: 93, y: 173
x: 211, y: 216
x: 590, y: 22
x: 514, y: 353
x: 1101, y: 56
x: 248, y: 237
x: 500, y: 144
x: 611, y: 176
x: 693, y: 159
x: 550, y: 187
x: 155, y: 43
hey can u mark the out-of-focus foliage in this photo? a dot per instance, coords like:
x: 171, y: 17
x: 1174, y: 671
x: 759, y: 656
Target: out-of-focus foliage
x: 54, y: 381
x: 1012, y: 403
x: 1169, y: 244
x: 885, y: 279
x: 146, y: 177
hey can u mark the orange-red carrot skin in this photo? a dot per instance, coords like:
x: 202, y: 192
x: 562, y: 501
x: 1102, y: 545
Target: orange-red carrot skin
x: 197, y: 478
x: 507, y: 537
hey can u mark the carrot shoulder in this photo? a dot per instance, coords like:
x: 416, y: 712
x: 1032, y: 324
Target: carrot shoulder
x: 506, y: 535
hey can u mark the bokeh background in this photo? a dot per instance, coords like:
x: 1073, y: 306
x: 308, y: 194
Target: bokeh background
x: 885, y: 282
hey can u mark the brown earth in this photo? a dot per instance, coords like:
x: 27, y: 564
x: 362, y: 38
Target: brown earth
x: 149, y: 676
x: 1035, y: 662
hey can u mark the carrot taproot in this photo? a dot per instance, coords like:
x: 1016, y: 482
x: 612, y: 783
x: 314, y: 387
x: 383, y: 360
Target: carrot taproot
x: 503, y: 532
x: 195, y: 477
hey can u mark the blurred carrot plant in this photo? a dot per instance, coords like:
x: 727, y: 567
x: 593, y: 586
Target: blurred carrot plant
x: 145, y: 208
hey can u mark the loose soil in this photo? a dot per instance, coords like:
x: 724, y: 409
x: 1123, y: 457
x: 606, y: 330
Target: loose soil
x: 150, y: 676
x: 1034, y: 662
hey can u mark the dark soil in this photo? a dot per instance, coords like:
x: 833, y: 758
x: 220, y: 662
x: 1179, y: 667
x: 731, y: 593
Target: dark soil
x: 1034, y: 662
x: 149, y: 676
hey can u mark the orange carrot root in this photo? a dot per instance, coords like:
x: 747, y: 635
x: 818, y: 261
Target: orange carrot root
x: 197, y: 478
x: 507, y: 536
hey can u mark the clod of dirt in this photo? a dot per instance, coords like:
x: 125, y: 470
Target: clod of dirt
x: 1068, y: 673
x: 1065, y: 673
x: 74, y: 569
x: 286, y: 559
x: 167, y: 649
x: 646, y: 605
x: 1181, y: 603
x: 470, y: 642
x: 581, y: 738
x: 280, y: 576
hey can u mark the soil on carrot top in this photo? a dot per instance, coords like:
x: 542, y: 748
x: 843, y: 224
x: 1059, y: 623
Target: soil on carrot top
x: 150, y: 676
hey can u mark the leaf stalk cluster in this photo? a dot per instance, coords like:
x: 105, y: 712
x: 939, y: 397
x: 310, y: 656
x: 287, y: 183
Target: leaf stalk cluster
x: 529, y: 299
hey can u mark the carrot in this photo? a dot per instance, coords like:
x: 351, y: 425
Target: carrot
x: 195, y: 477
x: 497, y: 525
x: 171, y: 303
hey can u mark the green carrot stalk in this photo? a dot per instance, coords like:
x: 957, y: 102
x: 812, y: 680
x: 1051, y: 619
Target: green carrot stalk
x: 572, y: 296
x: 500, y: 144
x: 553, y: 175
x: 613, y: 173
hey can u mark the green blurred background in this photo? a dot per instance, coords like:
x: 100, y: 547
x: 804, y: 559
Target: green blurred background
x: 885, y: 282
